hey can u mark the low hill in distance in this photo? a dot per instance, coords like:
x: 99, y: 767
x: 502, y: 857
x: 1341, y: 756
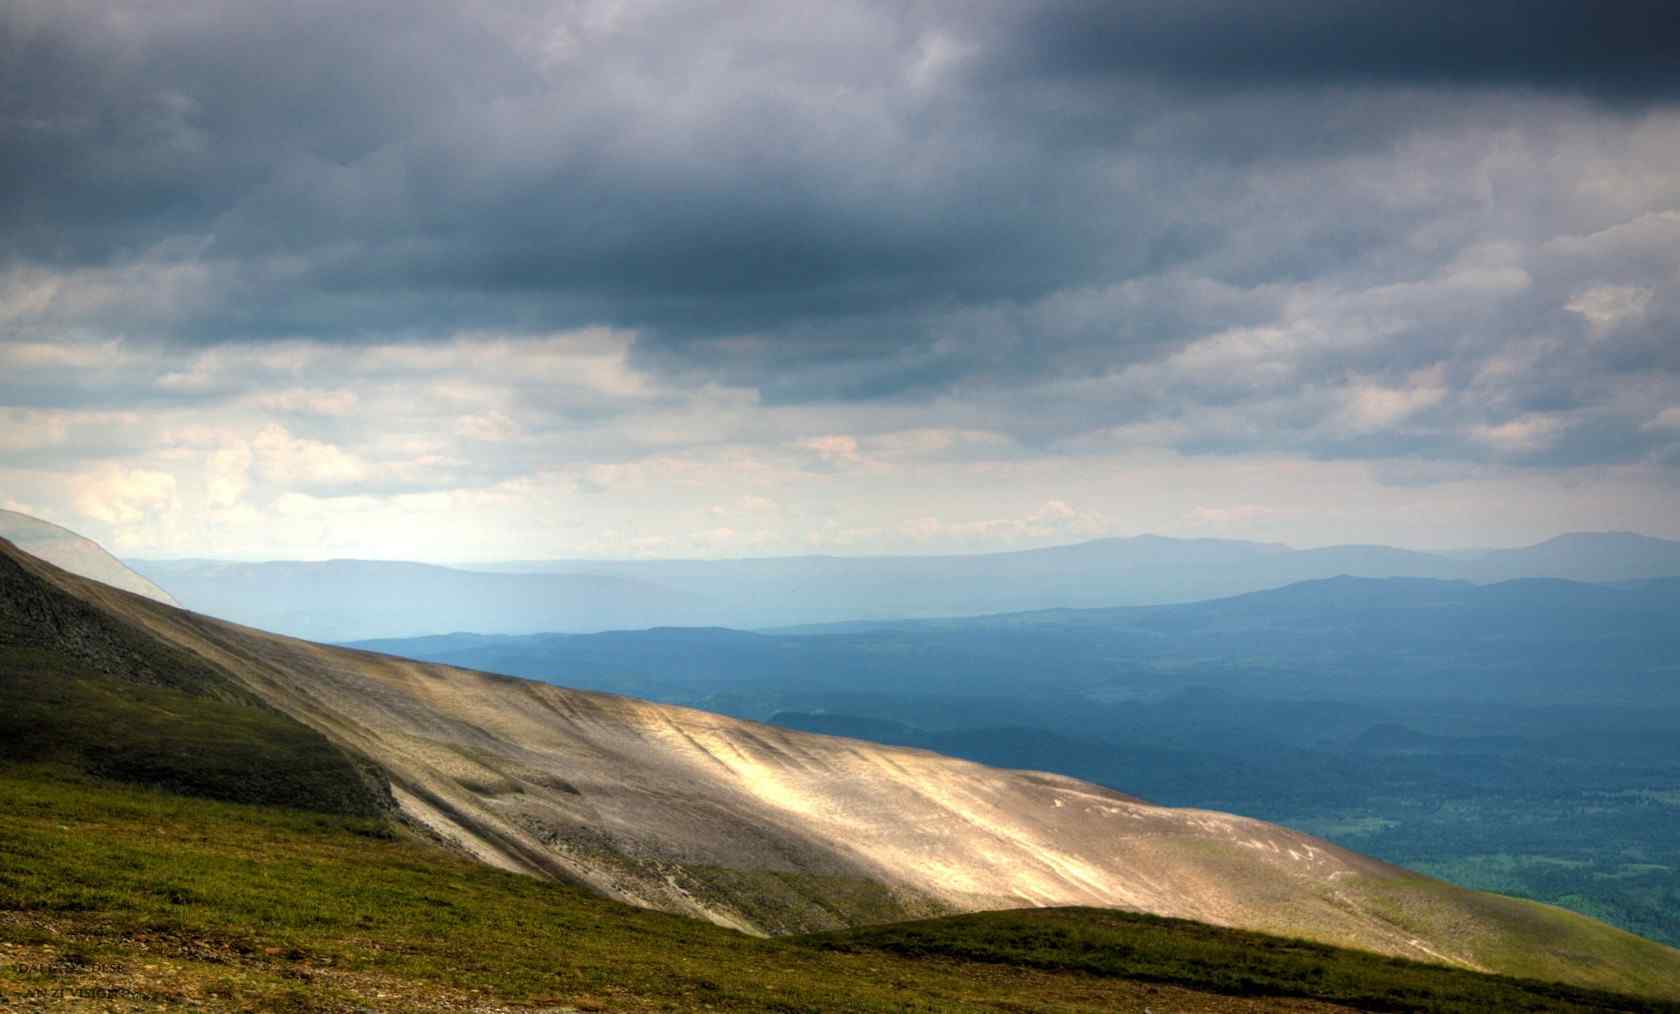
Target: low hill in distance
x: 358, y: 599
x: 1581, y: 556
x: 773, y: 830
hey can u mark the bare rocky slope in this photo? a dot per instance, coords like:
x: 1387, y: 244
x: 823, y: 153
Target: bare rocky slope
x: 76, y: 554
x: 772, y: 830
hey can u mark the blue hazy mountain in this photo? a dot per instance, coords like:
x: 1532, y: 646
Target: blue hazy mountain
x: 1532, y: 640
x: 340, y: 599
x: 1594, y: 556
x: 389, y: 599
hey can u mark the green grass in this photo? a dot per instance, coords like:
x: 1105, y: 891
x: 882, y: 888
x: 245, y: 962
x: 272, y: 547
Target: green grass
x: 1639, y: 896
x: 1228, y: 962
x: 57, y: 710
x: 1611, y: 855
x: 118, y: 893
x: 90, y: 691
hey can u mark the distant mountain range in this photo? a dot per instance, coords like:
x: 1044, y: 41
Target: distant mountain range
x: 338, y: 600
x: 359, y: 599
x: 1435, y: 723
x: 1539, y: 641
x: 747, y: 825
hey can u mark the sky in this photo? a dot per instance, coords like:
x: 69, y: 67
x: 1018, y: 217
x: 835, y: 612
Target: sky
x: 465, y: 281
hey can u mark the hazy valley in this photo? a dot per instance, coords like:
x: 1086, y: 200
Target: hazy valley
x: 1518, y: 736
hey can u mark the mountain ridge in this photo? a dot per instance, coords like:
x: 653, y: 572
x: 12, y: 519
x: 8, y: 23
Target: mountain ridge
x: 1531, y: 643
x: 646, y: 802
x: 588, y: 596
x: 79, y: 555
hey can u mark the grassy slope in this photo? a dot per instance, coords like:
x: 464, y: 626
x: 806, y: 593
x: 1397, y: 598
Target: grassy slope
x: 57, y: 712
x: 128, y: 896
x: 86, y: 691
x: 1551, y: 937
x: 1515, y: 936
x: 89, y: 696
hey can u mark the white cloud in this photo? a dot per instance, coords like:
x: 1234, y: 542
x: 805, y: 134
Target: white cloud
x: 489, y: 427
x: 937, y: 442
x: 228, y: 475
x: 1606, y: 307
x: 26, y: 430
x: 1371, y: 406
x: 71, y: 355
x: 1234, y: 514
x: 1653, y: 235
x: 1052, y: 521
x: 309, y: 401
x: 834, y: 449
x: 289, y: 460
x: 30, y: 429
x: 1667, y: 419
x: 1524, y: 435
x: 123, y: 496
x: 748, y: 505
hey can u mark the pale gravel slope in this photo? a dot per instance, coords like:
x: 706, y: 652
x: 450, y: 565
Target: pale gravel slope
x: 646, y: 802
x: 64, y: 548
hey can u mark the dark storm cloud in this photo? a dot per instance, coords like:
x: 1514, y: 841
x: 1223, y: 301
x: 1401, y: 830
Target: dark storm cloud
x: 878, y: 203
x: 1626, y: 51
x: 368, y: 169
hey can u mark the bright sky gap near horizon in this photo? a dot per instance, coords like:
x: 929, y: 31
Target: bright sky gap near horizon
x: 454, y: 282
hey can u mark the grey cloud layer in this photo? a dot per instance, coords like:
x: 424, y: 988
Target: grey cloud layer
x: 1624, y: 51
x: 1336, y: 229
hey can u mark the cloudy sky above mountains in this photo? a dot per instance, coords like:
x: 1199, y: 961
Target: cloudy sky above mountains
x: 462, y: 281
